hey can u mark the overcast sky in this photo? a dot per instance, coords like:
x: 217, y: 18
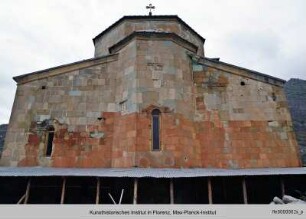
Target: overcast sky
x: 264, y: 35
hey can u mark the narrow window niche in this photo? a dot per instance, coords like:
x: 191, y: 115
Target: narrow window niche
x: 123, y: 106
x: 156, y: 129
x: 49, y: 142
x: 273, y: 97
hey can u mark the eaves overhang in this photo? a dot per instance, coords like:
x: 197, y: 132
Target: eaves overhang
x: 237, y: 70
x: 64, y: 68
x: 153, y: 35
x: 248, y: 72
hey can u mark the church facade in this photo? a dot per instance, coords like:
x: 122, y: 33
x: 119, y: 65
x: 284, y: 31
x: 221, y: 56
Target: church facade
x: 99, y: 112
x: 150, y: 98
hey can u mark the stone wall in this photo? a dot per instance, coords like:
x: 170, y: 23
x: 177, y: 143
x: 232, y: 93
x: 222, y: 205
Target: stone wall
x: 212, y: 115
x: 75, y: 104
x: 164, y: 76
x: 247, y: 121
x: 295, y: 90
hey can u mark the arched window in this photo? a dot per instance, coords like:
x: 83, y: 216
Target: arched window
x: 156, y: 129
x: 49, y: 144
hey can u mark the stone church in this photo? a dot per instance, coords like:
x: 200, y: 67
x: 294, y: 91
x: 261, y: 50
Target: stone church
x: 149, y: 109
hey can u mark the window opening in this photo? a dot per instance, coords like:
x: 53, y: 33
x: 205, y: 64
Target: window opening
x: 50, y: 136
x: 156, y: 129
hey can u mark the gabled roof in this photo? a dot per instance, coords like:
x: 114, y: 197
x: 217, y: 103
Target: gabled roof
x: 155, y: 17
x: 217, y: 64
x: 64, y: 68
x: 265, y: 77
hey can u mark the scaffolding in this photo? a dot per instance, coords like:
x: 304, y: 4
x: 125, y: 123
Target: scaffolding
x: 159, y: 186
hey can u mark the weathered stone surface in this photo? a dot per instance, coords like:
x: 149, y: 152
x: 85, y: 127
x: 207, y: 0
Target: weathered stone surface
x: 213, y: 115
x: 155, y: 24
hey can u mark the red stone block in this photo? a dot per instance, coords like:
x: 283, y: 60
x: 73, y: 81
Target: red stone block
x: 109, y: 121
x: 33, y: 139
x: 117, y: 154
x: 202, y: 142
x: 109, y: 114
x: 131, y: 142
x: 28, y: 161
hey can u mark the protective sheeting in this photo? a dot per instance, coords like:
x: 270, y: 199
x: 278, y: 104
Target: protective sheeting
x: 146, y: 172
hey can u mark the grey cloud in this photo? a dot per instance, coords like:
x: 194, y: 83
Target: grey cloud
x: 254, y: 44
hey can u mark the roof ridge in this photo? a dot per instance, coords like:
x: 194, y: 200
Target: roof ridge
x: 243, y: 68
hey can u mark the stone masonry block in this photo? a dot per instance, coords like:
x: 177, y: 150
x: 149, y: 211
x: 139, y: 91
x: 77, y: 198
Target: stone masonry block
x: 75, y: 93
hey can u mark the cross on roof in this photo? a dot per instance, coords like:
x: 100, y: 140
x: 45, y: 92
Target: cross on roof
x: 150, y: 7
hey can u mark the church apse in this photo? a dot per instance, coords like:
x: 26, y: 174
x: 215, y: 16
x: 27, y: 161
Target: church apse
x: 211, y: 114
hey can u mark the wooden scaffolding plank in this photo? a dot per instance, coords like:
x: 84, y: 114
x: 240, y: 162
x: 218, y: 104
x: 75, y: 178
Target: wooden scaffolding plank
x: 210, y: 199
x: 111, y: 197
x: 98, y: 191
x: 135, y: 191
x: 121, y: 196
x: 63, y: 191
x: 171, y: 192
x: 21, y: 199
x: 27, y: 194
x: 245, y: 194
x: 282, y: 184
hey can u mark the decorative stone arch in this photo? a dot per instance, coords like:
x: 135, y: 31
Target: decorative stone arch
x: 162, y: 109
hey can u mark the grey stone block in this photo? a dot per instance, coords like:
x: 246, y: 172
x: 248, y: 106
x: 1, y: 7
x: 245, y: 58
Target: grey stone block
x: 97, y: 134
x: 75, y: 93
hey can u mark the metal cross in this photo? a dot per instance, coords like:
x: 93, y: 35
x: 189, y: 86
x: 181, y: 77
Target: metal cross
x: 150, y: 7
